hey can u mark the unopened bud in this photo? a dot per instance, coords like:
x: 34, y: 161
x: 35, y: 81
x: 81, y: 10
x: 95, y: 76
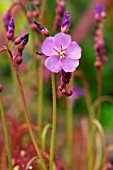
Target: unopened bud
x: 36, y: 3
x: 69, y: 93
x: 44, y: 30
x: 10, y: 35
x: 20, y: 48
x: 63, y: 91
x: 66, y: 22
x: 1, y: 88
x: 11, y: 29
x: 19, y: 60
x: 35, y: 13
x: 60, y: 88
x: 33, y: 26
x: 98, y: 64
x: 29, y: 15
x: 17, y: 41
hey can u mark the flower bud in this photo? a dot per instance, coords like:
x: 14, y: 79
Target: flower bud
x: 66, y: 22
x: 1, y: 88
x: 19, y: 60
x: 17, y: 41
x: 11, y: 29
x: 6, y: 19
x: 35, y: 13
x: 36, y: 3
x: 44, y: 30
x: 20, y: 48
x: 33, y: 26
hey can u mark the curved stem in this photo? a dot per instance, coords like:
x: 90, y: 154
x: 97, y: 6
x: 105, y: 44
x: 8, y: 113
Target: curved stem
x: 28, y: 122
x: 44, y: 135
x: 25, y: 110
x: 6, y: 135
x: 54, y: 122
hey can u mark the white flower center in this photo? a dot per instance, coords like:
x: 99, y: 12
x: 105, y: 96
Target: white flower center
x: 61, y: 53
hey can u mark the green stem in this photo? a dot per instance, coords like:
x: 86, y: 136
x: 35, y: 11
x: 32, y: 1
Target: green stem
x: 69, y: 126
x: 28, y: 121
x: 40, y: 97
x: 54, y: 122
x: 6, y: 134
x: 44, y: 5
x: 25, y: 110
x: 44, y: 135
x: 69, y: 131
x: 99, y: 83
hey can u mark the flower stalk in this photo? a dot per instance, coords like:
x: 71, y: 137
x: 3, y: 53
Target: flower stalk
x: 54, y: 122
x: 6, y: 135
x: 25, y: 111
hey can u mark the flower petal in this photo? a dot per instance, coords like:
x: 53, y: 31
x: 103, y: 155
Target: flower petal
x: 62, y: 40
x: 73, y: 51
x: 53, y: 64
x: 69, y: 65
x: 47, y: 47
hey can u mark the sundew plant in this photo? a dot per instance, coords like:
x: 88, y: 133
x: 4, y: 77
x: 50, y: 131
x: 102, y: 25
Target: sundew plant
x: 56, y: 98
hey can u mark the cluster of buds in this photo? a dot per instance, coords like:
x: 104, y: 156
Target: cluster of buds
x: 43, y: 30
x: 100, y: 16
x: 65, y: 79
x: 61, y: 6
x: 20, y: 41
x: 34, y: 13
x: 6, y: 18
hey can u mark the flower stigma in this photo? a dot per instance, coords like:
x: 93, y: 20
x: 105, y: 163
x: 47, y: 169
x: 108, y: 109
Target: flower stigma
x: 61, y: 53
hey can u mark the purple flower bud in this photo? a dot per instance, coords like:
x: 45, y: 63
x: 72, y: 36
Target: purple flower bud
x: 23, y: 37
x: 100, y: 13
x: 99, y: 8
x: 11, y: 29
x: 11, y: 26
x: 6, y: 19
x: 18, y: 40
x: 26, y: 39
x: 40, y: 27
x: 66, y: 22
x: 44, y: 30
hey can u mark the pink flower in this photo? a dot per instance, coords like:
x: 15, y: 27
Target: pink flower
x: 63, y: 53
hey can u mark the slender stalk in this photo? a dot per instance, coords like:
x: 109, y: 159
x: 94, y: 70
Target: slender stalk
x: 25, y: 111
x: 91, y: 117
x: 69, y: 131
x: 28, y: 122
x: 6, y: 135
x: 87, y: 93
x: 54, y: 122
x: 40, y: 97
x: 44, y: 5
x: 41, y: 76
x: 99, y: 85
